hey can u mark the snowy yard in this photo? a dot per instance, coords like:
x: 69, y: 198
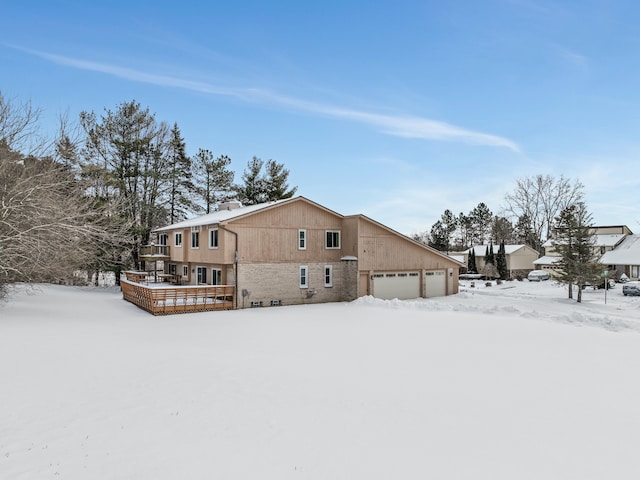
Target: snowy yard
x: 504, y: 382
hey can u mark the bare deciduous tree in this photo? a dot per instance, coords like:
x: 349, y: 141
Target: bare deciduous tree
x: 48, y: 228
x: 539, y: 200
x: 19, y: 126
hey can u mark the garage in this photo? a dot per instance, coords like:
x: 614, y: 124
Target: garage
x: 435, y: 283
x: 401, y: 285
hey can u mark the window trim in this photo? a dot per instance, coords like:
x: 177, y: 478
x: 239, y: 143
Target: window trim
x: 215, y: 273
x: 335, y: 234
x: 200, y: 272
x: 177, y: 236
x: 217, y: 238
x: 328, y: 276
x: 185, y: 271
x: 303, y: 276
x: 302, y: 239
x: 195, y: 235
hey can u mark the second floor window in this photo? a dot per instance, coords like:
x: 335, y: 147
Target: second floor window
x: 178, y: 240
x: 302, y: 239
x: 333, y: 239
x: 195, y: 239
x: 213, y: 238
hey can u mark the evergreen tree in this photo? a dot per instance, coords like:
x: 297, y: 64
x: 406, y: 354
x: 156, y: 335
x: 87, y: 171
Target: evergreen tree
x: 501, y: 262
x: 574, y: 243
x: 251, y: 191
x: 471, y: 263
x: 490, y: 256
x: 128, y: 147
x: 259, y: 187
x: 502, y: 230
x: 525, y: 234
x: 438, y: 237
x: 214, y: 179
x: 480, y: 218
x: 465, y: 231
x: 180, y: 178
x: 275, y: 182
x: 449, y: 225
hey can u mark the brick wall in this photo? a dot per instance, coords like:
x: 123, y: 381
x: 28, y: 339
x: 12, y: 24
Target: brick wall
x: 265, y: 282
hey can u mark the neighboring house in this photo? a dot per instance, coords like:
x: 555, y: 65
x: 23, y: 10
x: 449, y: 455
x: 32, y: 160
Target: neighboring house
x: 605, y: 239
x: 625, y: 258
x: 519, y: 258
x: 296, y: 251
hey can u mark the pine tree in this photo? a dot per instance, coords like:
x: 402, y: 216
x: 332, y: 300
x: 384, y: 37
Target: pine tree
x: 259, y: 187
x: 574, y: 243
x: 129, y: 148
x: 490, y: 256
x: 181, y: 187
x: 480, y: 218
x: 214, y: 179
x: 275, y: 182
x: 471, y: 263
x: 501, y: 262
x: 438, y: 237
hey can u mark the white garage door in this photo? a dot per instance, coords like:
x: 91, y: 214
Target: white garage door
x: 401, y: 285
x: 435, y: 283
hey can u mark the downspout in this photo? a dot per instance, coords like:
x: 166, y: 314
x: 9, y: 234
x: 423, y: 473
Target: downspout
x: 235, y: 261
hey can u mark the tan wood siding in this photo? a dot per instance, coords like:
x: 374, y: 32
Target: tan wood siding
x: 381, y: 250
x: 271, y: 236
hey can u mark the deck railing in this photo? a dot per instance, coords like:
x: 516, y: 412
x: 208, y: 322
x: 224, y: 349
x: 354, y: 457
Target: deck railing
x: 164, y: 300
x: 155, y: 251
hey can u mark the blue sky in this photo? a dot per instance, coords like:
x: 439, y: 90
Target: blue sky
x: 397, y: 110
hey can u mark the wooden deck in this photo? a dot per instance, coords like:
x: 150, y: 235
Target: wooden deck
x: 164, y: 300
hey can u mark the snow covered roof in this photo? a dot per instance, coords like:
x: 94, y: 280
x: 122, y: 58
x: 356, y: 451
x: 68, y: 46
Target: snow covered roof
x: 481, y: 250
x: 627, y: 253
x: 218, y: 216
x: 609, y: 240
x: 605, y: 240
x: 546, y: 260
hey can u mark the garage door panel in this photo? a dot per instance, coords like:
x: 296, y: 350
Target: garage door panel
x: 400, y: 285
x: 435, y: 283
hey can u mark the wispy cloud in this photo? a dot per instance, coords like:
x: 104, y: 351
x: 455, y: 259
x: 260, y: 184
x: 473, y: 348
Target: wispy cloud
x: 397, y: 125
x: 573, y: 58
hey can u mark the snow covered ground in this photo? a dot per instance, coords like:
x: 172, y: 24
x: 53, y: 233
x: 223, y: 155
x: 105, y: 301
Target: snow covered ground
x: 512, y: 381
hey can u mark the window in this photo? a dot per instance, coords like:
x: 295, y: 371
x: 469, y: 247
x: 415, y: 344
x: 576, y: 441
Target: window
x: 213, y: 238
x: 195, y: 239
x: 328, y: 276
x: 178, y: 240
x: 185, y: 271
x: 172, y: 269
x: 302, y: 239
x: 201, y: 276
x: 216, y: 276
x: 333, y: 239
x: 304, y: 277
x: 162, y: 239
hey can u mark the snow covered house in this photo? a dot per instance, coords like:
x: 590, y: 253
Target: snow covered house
x: 624, y: 258
x: 605, y: 239
x: 519, y: 258
x: 296, y: 251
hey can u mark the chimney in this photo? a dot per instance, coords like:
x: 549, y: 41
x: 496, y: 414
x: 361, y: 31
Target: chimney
x: 229, y: 205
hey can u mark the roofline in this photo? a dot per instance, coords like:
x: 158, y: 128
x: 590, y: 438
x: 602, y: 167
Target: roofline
x: 405, y: 237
